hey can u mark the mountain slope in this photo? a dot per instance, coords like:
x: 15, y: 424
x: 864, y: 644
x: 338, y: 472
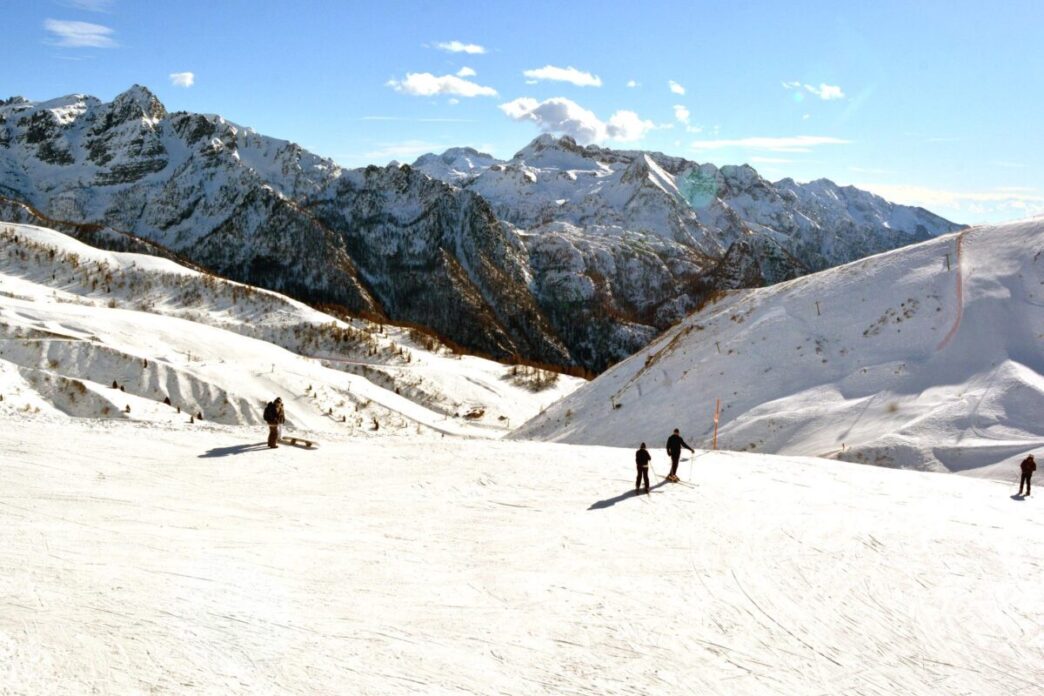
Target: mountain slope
x: 265, y: 212
x: 931, y: 356
x: 75, y: 319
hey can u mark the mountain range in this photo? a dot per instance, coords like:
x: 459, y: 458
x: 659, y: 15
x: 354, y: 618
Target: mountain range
x: 562, y: 255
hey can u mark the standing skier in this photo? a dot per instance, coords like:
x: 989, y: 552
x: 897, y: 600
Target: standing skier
x: 274, y: 417
x: 1029, y: 465
x: 642, y: 459
x: 674, y: 448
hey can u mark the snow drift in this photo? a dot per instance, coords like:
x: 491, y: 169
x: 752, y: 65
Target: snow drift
x: 927, y: 357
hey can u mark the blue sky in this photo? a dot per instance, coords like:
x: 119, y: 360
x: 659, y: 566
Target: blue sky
x: 934, y: 103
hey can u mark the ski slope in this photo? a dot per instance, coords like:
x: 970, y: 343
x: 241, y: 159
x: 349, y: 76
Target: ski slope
x: 147, y: 558
x: 929, y: 357
x: 75, y: 319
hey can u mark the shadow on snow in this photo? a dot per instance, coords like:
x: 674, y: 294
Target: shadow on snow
x: 609, y: 502
x: 234, y: 449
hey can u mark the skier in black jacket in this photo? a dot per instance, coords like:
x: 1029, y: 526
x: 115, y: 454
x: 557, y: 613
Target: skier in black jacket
x: 1028, y: 466
x: 674, y: 448
x: 642, y: 459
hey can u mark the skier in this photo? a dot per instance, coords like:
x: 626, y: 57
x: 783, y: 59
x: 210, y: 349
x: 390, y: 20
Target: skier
x: 1029, y: 465
x: 674, y: 448
x: 642, y: 459
x: 274, y: 417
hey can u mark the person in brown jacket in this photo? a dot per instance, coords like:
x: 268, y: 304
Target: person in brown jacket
x: 1028, y: 467
x: 274, y: 417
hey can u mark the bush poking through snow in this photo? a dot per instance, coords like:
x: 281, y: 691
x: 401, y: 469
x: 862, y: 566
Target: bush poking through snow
x: 532, y: 378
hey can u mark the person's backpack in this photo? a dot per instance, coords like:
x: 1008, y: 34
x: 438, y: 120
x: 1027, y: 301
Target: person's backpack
x: 270, y: 413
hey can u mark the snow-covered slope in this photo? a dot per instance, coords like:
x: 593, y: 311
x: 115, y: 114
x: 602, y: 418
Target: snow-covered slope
x: 931, y: 356
x: 75, y: 319
x: 563, y: 255
x: 139, y: 558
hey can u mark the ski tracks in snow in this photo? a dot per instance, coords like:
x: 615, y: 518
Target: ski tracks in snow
x: 437, y: 566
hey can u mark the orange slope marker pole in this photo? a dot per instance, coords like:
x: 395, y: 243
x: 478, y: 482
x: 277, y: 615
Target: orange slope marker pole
x: 717, y: 413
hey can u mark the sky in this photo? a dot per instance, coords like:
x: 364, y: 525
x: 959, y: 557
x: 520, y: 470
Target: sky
x: 933, y: 103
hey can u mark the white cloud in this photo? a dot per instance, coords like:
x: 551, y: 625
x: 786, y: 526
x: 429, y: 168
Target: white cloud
x: 89, y: 5
x: 466, y: 72
x: 460, y: 47
x: 632, y: 84
x: 427, y: 85
x: 823, y: 91
x: 826, y: 92
x: 566, y: 117
x: 626, y: 126
x: 988, y: 205
x: 570, y: 74
x: 795, y: 143
x: 453, y: 100
x: 520, y: 108
x: 675, y: 87
x: 70, y: 34
x: 182, y: 79
x: 681, y: 114
x: 931, y: 197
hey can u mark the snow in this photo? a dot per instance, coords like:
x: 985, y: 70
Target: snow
x: 145, y: 557
x: 930, y: 356
x: 147, y: 551
x: 73, y: 319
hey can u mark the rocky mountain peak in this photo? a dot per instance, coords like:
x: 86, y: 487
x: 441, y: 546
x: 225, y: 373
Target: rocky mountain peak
x: 455, y: 164
x: 556, y: 153
x: 138, y: 102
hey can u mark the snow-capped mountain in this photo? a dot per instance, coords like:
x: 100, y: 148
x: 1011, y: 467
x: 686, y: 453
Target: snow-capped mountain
x: 455, y: 164
x: 699, y: 206
x: 563, y: 255
x: 112, y: 335
x: 930, y: 356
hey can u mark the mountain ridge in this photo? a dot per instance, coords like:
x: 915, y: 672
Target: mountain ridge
x: 524, y: 258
